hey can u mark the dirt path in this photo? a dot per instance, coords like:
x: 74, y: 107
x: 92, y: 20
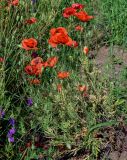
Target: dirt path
x: 109, y: 55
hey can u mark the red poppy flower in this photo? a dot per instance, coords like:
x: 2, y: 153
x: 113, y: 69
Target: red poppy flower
x: 82, y: 88
x: 83, y: 16
x: 38, y: 69
x: 31, y: 20
x: 68, y: 12
x: 35, y: 67
x: 35, y: 81
x: 86, y: 50
x: 62, y: 75
x: 14, y: 2
x: 51, y: 62
x: 36, y: 61
x: 79, y: 28
x: 1, y: 59
x: 29, y: 70
x: 60, y: 39
x: 59, y: 36
x: 34, y: 70
x: 58, y: 30
x: 59, y: 87
x: 55, y: 31
x: 77, y: 6
x: 29, y: 44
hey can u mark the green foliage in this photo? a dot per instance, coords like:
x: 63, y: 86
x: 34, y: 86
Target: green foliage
x: 112, y: 17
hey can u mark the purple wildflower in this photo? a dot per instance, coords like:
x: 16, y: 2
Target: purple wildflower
x: 2, y: 113
x: 10, y: 134
x: 11, y: 139
x: 29, y: 102
x: 12, y: 121
x: 34, y: 55
x: 12, y: 131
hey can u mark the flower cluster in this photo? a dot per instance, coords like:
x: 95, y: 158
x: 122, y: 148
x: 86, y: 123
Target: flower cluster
x: 12, y: 131
x: 37, y: 65
x: 58, y: 36
x: 77, y: 10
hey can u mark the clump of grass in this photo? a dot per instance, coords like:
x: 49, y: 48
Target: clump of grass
x: 112, y: 17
